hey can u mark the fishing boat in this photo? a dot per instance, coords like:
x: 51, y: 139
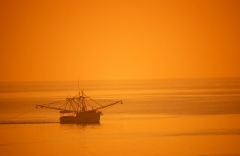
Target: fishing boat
x: 78, y: 109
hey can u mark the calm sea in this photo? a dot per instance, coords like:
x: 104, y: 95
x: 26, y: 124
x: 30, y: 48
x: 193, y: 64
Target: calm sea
x: 172, y: 117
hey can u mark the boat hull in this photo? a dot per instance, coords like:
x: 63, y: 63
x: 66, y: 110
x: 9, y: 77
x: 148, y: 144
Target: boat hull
x: 82, y: 117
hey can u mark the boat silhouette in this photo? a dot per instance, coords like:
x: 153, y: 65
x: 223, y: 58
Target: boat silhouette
x: 77, y: 109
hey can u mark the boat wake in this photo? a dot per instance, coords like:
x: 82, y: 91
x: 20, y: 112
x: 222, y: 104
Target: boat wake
x: 20, y: 122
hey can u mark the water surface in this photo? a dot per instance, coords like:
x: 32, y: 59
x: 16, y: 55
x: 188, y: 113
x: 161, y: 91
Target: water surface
x: 158, y: 117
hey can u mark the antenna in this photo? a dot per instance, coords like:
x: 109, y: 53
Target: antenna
x: 78, y: 85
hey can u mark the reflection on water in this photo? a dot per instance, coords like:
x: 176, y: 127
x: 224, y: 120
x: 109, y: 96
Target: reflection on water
x: 80, y: 126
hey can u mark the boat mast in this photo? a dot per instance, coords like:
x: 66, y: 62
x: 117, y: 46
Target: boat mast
x: 84, y: 107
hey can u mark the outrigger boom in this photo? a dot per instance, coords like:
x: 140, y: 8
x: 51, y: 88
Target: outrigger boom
x: 79, y: 110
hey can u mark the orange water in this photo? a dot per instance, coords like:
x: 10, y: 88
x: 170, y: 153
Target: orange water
x: 160, y: 117
x: 127, y: 135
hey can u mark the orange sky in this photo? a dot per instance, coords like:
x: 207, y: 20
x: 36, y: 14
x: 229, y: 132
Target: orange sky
x: 119, y: 39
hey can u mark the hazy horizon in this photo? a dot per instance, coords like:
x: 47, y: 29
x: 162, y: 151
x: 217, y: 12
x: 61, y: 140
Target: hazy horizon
x: 129, y: 79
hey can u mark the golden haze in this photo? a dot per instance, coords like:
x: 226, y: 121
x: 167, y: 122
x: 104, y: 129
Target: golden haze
x: 59, y: 40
